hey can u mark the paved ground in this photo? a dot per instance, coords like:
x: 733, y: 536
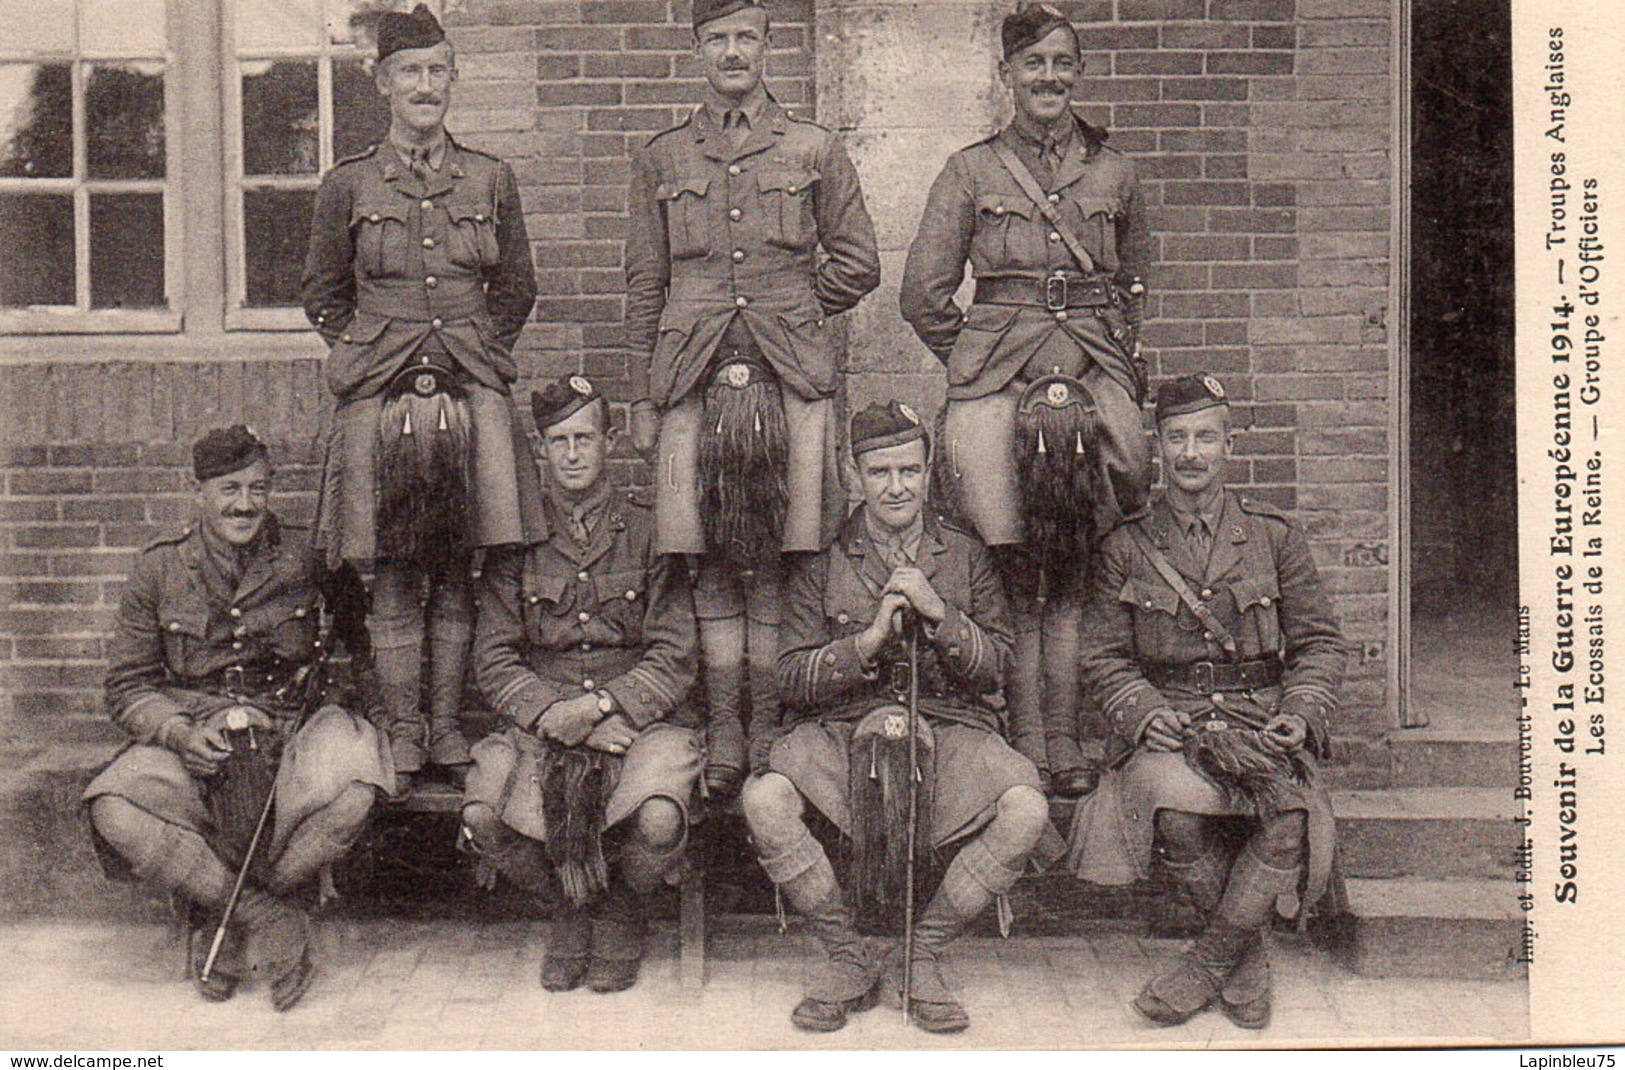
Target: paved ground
x: 451, y: 984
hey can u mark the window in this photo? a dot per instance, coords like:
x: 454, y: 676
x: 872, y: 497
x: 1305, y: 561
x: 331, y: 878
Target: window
x: 159, y: 158
x: 86, y: 197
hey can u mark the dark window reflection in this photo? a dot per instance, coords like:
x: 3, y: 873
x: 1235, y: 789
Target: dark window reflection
x: 124, y: 121
x: 36, y: 120
x: 280, y: 124
x: 36, y: 249
x: 360, y: 116
x: 127, y: 251
x: 276, y: 232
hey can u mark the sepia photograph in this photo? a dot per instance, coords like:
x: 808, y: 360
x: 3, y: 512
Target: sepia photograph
x: 800, y: 524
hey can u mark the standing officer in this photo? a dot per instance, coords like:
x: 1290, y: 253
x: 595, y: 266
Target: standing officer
x: 1212, y: 648
x: 1043, y: 436
x: 419, y: 277
x: 214, y: 628
x: 748, y: 231
x: 844, y: 674
x: 586, y: 648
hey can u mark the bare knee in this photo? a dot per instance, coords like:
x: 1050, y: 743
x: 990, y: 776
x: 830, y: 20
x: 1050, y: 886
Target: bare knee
x: 772, y: 808
x: 660, y: 824
x: 482, y: 823
x: 1024, y: 810
x: 120, y: 822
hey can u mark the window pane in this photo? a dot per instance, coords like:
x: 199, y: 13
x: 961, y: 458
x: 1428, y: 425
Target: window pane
x: 280, y: 124
x: 127, y: 251
x: 36, y: 249
x: 37, y: 25
x: 124, y: 121
x: 278, y: 24
x: 121, y: 27
x: 355, y: 22
x: 360, y: 115
x: 36, y: 120
x: 276, y: 233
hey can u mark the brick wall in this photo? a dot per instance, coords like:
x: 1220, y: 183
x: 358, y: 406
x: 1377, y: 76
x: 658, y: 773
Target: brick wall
x: 1262, y: 127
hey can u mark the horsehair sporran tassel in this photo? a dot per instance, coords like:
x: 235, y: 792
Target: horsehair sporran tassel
x: 423, y: 454
x: 1059, y: 489
x: 743, y: 469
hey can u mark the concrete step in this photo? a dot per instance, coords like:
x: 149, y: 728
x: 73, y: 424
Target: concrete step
x: 1433, y: 833
x: 1469, y: 929
x: 1426, y: 758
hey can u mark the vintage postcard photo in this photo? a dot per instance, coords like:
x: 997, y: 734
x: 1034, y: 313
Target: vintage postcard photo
x: 808, y: 524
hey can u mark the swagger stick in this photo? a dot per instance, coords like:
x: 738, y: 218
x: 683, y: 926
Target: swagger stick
x: 307, y: 683
x: 913, y: 812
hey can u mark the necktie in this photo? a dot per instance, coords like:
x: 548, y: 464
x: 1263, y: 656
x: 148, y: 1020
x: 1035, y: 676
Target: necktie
x: 734, y: 123
x: 1049, y: 153
x: 1201, y: 539
x: 420, y: 164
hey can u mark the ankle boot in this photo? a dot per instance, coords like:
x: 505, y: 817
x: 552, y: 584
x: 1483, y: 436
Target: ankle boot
x: 1249, y: 906
x: 972, y: 882
x: 569, y: 940
x: 849, y: 979
x: 278, y: 945
x: 620, y: 935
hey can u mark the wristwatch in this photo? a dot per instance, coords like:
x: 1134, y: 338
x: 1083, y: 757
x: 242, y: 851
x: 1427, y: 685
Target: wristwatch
x: 606, y: 702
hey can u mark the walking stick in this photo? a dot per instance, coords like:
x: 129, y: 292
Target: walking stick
x: 913, y: 812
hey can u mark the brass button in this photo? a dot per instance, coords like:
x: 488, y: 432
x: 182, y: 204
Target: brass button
x: 535, y: 598
x: 998, y: 209
x: 741, y: 301
x: 427, y: 205
x: 428, y: 243
x: 739, y: 255
x: 240, y: 631
x: 174, y: 625
x: 235, y: 611
x: 587, y: 684
x: 1264, y: 601
x: 1207, y: 592
x: 1054, y: 235
x: 375, y: 217
x: 583, y: 616
x: 631, y: 596
x: 586, y: 646
x: 1218, y: 698
x: 346, y: 338
x: 1055, y: 198
x: 436, y: 323
x: 431, y: 282
x: 733, y: 169
x: 236, y: 646
x: 1148, y: 603
x: 582, y: 575
x: 842, y: 618
x: 1060, y: 315
x: 792, y: 189
x: 735, y: 214
x: 300, y: 612
x: 1208, y: 636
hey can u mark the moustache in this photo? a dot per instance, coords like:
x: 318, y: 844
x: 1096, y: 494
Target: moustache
x: 1055, y: 88
x: 1189, y: 466
x: 241, y: 514
x: 425, y: 100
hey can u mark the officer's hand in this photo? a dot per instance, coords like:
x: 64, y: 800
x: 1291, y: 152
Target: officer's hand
x: 570, y: 720
x: 888, y: 622
x: 1285, y: 733
x: 612, y: 735
x: 1165, y: 729
x: 644, y: 424
x: 204, y: 747
x: 912, y: 584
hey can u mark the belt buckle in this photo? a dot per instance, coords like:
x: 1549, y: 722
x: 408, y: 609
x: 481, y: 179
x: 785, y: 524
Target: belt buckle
x: 1204, y: 675
x: 1055, y: 295
x: 234, y: 681
x: 899, y: 679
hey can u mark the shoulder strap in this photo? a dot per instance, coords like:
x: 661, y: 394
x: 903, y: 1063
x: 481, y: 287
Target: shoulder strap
x: 1029, y: 185
x: 1172, y: 578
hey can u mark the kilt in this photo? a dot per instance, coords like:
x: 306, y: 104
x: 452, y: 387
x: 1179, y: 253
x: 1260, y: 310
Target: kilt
x: 333, y: 750
x: 664, y: 761
x: 505, y: 495
x: 973, y: 768
x: 979, y: 434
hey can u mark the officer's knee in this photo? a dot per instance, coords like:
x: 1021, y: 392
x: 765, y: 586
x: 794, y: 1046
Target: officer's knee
x: 347, y: 813
x: 1024, y: 809
x: 120, y: 822
x: 1279, y: 841
x: 482, y: 823
x: 772, y: 808
x: 660, y: 824
x: 1181, y: 836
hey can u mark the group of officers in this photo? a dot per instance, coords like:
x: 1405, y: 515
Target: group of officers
x: 937, y: 656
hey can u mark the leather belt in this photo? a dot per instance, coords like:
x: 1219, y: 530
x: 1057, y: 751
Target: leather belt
x: 262, y: 681
x: 1208, y: 676
x: 1054, y: 294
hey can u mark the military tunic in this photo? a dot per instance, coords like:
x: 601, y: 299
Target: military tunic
x: 402, y: 270
x: 1260, y: 582
x: 753, y: 247
x: 830, y: 598
x: 179, y: 651
x: 977, y: 212
x: 558, y: 620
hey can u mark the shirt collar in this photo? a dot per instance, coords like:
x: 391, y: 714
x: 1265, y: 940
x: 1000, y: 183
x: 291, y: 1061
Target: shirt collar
x: 588, y: 511
x: 896, y: 545
x: 436, y: 155
x: 752, y: 107
x: 1206, y: 514
x: 1062, y: 132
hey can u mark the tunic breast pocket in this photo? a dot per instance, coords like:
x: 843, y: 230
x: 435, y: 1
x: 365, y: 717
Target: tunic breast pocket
x: 471, y: 236
x: 379, y: 231
x: 1094, y: 218
x: 547, y: 600
x: 1257, y: 601
x: 787, y: 203
x: 622, y: 599
x: 685, y: 202
x: 1159, y: 620
x: 1006, y: 236
x: 186, y: 632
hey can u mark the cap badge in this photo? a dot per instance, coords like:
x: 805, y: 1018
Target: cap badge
x: 1214, y: 387
x: 908, y: 413
x: 580, y: 385
x: 895, y: 726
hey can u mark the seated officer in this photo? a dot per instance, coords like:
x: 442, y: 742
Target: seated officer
x: 213, y: 629
x: 586, y: 647
x: 1212, y: 648
x: 844, y: 673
